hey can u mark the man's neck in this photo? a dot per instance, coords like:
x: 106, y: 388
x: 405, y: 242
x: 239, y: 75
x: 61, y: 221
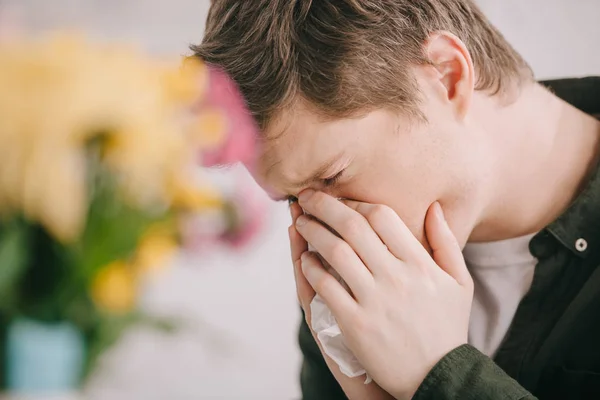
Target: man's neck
x: 546, y: 151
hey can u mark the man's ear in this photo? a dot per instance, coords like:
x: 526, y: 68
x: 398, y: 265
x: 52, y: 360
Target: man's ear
x: 454, y: 70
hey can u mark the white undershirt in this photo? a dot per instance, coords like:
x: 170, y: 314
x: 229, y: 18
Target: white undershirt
x: 502, y: 272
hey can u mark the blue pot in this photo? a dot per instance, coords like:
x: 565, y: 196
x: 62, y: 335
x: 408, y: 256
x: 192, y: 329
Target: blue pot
x: 43, y: 358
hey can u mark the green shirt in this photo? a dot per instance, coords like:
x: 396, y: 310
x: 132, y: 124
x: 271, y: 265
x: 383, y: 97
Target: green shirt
x: 552, y: 350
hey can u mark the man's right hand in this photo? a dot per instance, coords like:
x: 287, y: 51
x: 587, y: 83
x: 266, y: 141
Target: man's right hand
x: 354, y: 388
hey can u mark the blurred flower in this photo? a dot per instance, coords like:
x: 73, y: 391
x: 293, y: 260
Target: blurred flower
x: 54, y: 189
x: 248, y: 216
x: 102, y: 146
x: 240, y: 138
x: 156, y: 249
x: 240, y: 219
x: 190, y: 194
x: 58, y: 95
x: 61, y: 95
x: 204, y: 231
x: 187, y: 83
x: 209, y: 129
x: 114, y: 288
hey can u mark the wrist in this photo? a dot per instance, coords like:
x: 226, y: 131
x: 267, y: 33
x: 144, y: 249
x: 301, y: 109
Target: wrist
x: 406, y: 389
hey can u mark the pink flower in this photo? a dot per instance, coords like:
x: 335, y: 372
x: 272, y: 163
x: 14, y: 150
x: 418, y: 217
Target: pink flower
x: 244, y: 214
x: 202, y: 232
x: 240, y: 143
x: 241, y: 220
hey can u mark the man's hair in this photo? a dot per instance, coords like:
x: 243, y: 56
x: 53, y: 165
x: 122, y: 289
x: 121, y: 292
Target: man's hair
x: 343, y: 57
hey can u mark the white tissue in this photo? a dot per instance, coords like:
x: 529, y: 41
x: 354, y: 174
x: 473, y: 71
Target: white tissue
x: 332, y: 340
x: 330, y: 335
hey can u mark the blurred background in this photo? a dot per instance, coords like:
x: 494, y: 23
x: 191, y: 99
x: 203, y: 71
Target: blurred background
x: 239, y: 341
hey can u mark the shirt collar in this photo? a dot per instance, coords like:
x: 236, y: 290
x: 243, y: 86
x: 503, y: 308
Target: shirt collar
x: 578, y: 228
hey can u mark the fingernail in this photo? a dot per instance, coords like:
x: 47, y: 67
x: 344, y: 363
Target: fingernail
x: 307, y: 271
x: 304, y: 256
x: 306, y: 195
x: 301, y: 220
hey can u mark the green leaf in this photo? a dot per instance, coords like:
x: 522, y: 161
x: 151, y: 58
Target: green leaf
x: 14, y: 257
x: 43, y: 289
x: 113, y: 229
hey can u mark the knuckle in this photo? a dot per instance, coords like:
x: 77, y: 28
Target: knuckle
x: 431, y: 287
x: 321, y: 284
x: 396, y: 280
x: 353, y: 226
x: 339, y: 253
x: 427, y: 283
x: 379, y: 213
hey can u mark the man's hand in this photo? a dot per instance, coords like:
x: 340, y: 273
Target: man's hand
x: 354, y: 388
x: 407, y: 310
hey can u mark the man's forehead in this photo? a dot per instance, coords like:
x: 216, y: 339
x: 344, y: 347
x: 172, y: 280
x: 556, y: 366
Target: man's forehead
x: 298, y: 141
x: 284, y: 137
x: 275, y: 159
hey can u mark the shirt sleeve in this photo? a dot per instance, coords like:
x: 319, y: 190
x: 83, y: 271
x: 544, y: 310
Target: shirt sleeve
x: 316, y: 380
x: 467, y: 374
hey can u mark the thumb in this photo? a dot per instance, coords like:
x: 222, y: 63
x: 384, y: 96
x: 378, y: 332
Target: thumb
x: 446, y: 251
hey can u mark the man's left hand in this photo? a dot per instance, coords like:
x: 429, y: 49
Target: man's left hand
x: 407, y: 309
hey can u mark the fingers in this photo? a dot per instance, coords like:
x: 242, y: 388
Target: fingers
x: 297, y: 243
x: 305, y: 292
x: 352, y: 227
x: 339, y: 301
x: 447, y: 253
x: 390, y: 228
x: 338, y: 254
x: 298, y: 246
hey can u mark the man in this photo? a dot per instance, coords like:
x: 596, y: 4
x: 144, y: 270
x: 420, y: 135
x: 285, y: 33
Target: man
x: 432, y: 126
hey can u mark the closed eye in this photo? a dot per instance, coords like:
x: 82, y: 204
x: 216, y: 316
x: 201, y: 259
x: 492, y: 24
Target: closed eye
x: 331, y: 181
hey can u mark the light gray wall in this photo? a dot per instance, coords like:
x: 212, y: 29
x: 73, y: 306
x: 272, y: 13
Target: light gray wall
x: 558, y: 37
x: 247, y: 348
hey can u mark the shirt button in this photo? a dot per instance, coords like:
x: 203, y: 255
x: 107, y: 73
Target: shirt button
x: 581, y: 245
x: 542, y: 245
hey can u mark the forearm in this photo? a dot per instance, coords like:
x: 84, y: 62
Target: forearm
x: 355, y: 388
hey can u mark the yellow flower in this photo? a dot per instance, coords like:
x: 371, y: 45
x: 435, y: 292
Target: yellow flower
x: 189, y: 82
x: 187, y: 193
x: 155, y: 250
x: 209, y: 128
x: 54, y: 191
x: 59, y: 93
x: 114, y: 288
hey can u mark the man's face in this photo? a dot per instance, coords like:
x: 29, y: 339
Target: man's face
x: 380, y: 158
